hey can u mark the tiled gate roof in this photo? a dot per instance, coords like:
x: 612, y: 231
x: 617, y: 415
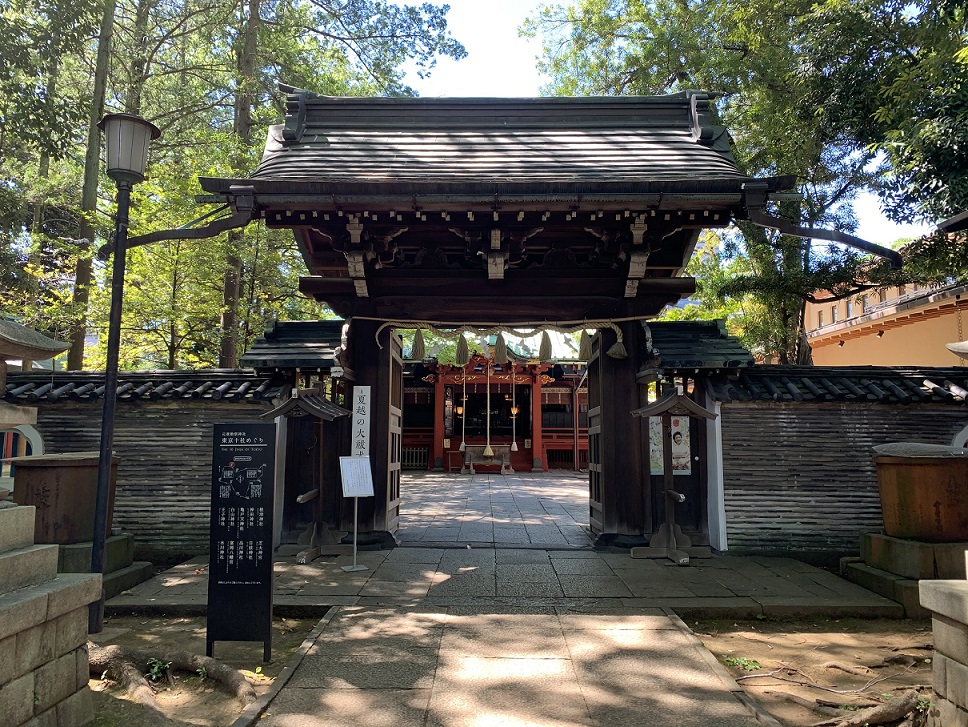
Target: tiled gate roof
x: 882, y: 384
x: 229, y: 385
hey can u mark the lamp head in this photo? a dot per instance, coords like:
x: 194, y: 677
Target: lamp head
x: 126, y: 139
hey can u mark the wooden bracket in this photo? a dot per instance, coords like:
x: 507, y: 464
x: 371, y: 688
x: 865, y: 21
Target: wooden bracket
x: 637, y: 267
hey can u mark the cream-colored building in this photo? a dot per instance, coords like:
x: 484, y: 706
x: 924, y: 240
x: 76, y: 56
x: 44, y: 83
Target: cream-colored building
x: 906, y: 326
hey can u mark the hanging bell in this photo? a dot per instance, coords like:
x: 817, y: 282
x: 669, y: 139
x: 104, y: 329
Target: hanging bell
x: 418, y: 351
x: 500, y: 350
x: 544, y: 353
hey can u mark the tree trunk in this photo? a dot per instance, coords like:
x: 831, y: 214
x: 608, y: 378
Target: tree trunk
x: 228, y: 355
x: 242, y: 127
x: 92, y: 165
x: 139, y: 61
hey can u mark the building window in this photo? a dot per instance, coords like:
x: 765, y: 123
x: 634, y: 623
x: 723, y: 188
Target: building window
x: 850, y: 309
x: 865, y: 303
x: 819, y: 319
x: 833, y: 314
x: 882, y: 295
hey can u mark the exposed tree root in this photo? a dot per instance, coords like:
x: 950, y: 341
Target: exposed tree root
x: 126, y: 667
x: 923, y: 646
x: 855, y: 670
x: 891, y: 711
x: 814, y: 705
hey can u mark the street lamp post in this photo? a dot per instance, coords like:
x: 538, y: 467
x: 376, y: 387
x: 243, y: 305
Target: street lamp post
x: 126, y: 140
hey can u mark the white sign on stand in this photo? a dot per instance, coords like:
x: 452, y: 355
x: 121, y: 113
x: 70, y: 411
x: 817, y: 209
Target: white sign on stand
x: 357, y: 480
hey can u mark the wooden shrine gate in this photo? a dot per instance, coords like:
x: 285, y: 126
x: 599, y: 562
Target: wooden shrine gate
x: 564, y: 212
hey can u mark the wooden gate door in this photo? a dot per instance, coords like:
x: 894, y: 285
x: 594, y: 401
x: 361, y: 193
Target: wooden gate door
x: 395, y: 440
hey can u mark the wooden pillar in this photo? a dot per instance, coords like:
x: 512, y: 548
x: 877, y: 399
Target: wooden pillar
x: 537, y: 440
x: 437, y: 451
x: 371, y: 364
x: 625, y: 488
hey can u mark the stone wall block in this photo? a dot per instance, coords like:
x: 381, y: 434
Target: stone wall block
x: 17, y: 700
x: 27, y: 567
x: 45, y: 719
x: 948, y: 598
x: 956, y: 682
x: 55, y: 681
x: 83, y: 661
x: 17, y: 527
x: 21, y: 610
x: 939, y: 671
x: 70, y: 590
x: 76, y: 710
x: 71, y: 629
x: 950, y: 637
x: 35, y: 646
x: 946, y: 714
x: 8, y: 657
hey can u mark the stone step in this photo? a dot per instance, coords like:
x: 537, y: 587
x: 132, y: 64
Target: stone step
x: 27, y: 567
x: 127, y: 577
x: 118, y: 554
x: 889, y: 585
x: 16, y: 527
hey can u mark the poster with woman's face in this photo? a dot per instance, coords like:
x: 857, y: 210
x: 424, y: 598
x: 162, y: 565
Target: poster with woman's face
x: 681, y: 450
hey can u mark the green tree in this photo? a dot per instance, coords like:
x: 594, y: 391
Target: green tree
x: 206, y: 74
x: 894, y: 76
x: 754, y: 54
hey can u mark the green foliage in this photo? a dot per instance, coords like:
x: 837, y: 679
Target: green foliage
x: 157, y: 669
x: 188, y: 66
x: 894, y: 76
x: 845, y: 94
x: 742, y: 662
x: 39, y: 111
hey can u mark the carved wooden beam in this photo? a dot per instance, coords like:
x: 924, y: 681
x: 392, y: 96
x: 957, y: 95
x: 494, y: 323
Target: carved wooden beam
x: 637, y: 268
x: 356, y: 267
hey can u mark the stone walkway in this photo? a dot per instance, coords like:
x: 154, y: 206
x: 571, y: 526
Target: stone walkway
x: 489, y: 509
x: 497, y: 611
x: 373, y: 667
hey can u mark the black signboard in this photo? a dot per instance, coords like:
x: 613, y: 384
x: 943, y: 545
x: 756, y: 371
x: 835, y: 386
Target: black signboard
x: 240, y: 563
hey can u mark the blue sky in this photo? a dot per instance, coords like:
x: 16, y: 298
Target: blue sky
x: 499, y: 63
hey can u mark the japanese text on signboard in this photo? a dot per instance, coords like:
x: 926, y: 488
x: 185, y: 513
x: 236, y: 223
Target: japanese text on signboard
x: 361, y: 422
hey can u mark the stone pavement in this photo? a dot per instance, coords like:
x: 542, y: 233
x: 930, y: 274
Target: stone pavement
x: 376, y: 667
x: 496, y: 610
x: 522, y: 509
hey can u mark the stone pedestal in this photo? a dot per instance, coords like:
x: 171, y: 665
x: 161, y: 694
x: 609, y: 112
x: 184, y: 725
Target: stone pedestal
x: 43, y: 630
x: 893, y: 567
x: 947, y: 602
x: 121, y: 570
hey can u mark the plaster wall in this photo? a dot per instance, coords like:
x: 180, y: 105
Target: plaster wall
x: 918, y: 342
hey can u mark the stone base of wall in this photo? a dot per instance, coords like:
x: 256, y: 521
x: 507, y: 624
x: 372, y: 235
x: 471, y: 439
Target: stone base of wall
x: 947, y: 601
x: 893, y: 567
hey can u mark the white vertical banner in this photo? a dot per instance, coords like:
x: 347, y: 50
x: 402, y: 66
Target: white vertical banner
x: 361, y: 422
